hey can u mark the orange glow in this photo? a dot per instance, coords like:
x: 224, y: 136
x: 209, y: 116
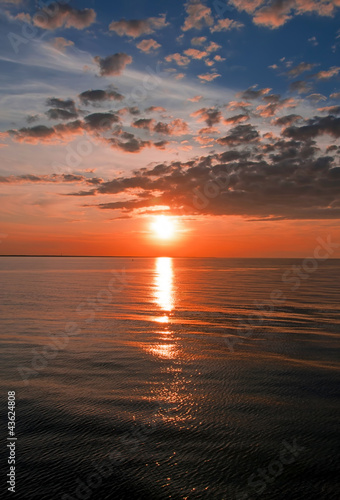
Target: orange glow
x: 163, y: 226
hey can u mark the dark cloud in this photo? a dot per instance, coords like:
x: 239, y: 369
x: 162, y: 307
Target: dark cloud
x: 210, y: 116
x: 315, y: 127
x: 44, y: 179
x: 240, y: 135
x: 32, y: 118
x: 285, y: 121
x: 114, y: 64
x: 333, y: 110
x: 301, y: 87
x: 251, y: 93
x: 60, y: 15
x: 300, y: 68
x: 43, y: 134
x: 236, y: 119
x: 99, y: 96
x: 138, y: 27
x: 292, y: 179
x: 175, y: 127
x: 67, y: 104
x: 101, y: 121
x: 61, y: 114
x: 145, y: 123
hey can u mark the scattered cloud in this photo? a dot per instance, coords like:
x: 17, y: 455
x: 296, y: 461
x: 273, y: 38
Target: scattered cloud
x: 226, y: 25
x: 199, y: 15
x: 208, y: 77
x: 114, y: 64
x: 138, y: 27
x: 148, y: 45
x: 99, y: 96
x: 60, y: 43
x: 63, y: 16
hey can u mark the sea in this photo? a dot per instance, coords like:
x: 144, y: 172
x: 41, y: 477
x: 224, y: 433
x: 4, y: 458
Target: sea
x: 171, y: 378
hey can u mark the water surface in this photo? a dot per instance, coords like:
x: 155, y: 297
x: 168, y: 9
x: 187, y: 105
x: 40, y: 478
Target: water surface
x: 182, y: 375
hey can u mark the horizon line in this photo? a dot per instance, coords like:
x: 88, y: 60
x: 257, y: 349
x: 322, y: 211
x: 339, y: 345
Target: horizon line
x: 147, y: 256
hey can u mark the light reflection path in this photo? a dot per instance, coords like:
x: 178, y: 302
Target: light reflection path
x: 164, y: 286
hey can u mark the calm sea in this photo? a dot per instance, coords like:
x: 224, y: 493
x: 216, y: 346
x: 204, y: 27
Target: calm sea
x: 171, y: 378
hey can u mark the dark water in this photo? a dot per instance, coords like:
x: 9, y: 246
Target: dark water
x: 162, y: 384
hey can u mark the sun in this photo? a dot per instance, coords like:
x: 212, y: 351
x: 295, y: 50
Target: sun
x: 163, y: 227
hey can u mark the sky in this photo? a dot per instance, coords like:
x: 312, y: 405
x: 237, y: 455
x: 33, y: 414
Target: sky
x: 219, y: 119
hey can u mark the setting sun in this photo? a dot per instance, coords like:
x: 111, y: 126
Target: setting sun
x: 163, y: 226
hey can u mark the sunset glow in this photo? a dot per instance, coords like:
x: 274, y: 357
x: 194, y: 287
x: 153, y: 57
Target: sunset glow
x: 163, y: 227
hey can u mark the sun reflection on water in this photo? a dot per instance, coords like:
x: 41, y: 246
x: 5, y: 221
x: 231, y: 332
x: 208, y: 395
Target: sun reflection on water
x: 164, y: 287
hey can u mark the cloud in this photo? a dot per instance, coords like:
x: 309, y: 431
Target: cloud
x: 213, y: 46
x: 32, y: 118
x: 210, y: 116
x: 175, y: 127
x: 316, y: 97
x: 198, y: 40
x: 144, y: 123
x: 67, y: 104
x: 287, y: 179
x: 138, y: 27
x: 61, y: 114
x: 196, y: 98
x: 226, y: 25
x: 251, y: 93
x: 275, y: 13
x: 158, y: 109
x: 62, y: 109
x: 300, y: 68
x: 60, y: 43
x: 52, y: 178
x: 52, y: 135
x: 199, y: 15
x: 114, y: 64
x: 101, y: 121
x: 195, y: 54
x: 335, y: 95
x: 132, y: 144
x: 208, y: 77
x: 178, y: 59
x: 333, y: 110
x: 236, y: 119
x: 285, y: 121
x: 60, y: 15
x: 327, y: 74
x: 270, y: 109
x: 315, y: 127
x: 148, y: 45
x: 232, y: 105
x: 301, y: 87
x: 240, y: 135
x: 99, y: 96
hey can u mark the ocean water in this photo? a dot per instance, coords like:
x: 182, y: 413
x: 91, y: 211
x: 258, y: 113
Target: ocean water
x: 171, y: 378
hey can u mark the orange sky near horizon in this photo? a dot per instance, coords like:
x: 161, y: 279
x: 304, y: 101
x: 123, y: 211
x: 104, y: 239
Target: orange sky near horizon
x: 193, y: 237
